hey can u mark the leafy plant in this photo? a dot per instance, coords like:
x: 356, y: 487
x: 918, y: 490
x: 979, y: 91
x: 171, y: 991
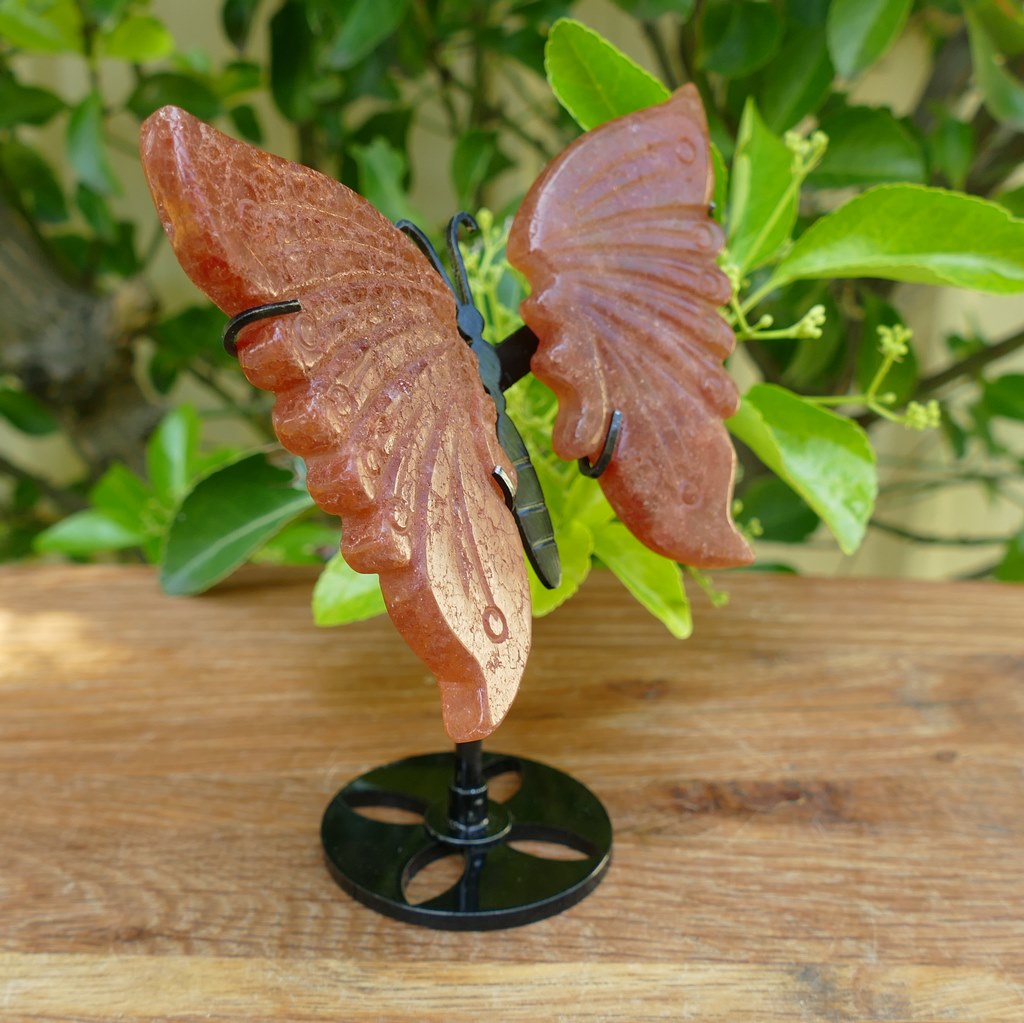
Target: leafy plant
x: 827, y: 204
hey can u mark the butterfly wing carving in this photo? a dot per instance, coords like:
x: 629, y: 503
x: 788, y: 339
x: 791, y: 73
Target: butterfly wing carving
x: 617, y: 243
x: 375, y: 390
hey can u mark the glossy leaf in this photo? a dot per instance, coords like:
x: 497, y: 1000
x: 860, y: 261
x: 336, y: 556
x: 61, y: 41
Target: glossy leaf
x: 951, y: 149
x: 236, y: 78
x: 739, y: 36
x: 26, y: 104
x: 26, y: 413
x: 97, y: 212
x: 575, y: 545
x: 1004, y: 396
x: 381, y: 172
x: 1002, y: 20
x: 293, y: 65
x: 826, y: 458
x: 224, y: 519
x: 125, y: 498
x: 592, y: 79
x: 476, y: 159
x: 166, y: 88
x: 798, y: 80
x: 656, y: 582
x: 868, y: 146
x: 236, y: 18
x: 42, y: 26
x: 366, y: 25
x: 86, y: 532
x: 784, y: 517
x: 342, y: 595
x: 1013, y: 200
x: 648, y: 10
x: 916, y: 234
x: 171, y: 453
x: 246, y: 123
x: 763, y: 193
x: 860, y: 31
x: 901, y: 380
x: 36, y: 184
x: 138, y: 38
x: 1011, y: 568
x: 87, y: 150
x: 1003, y: 92
x: 305, y: 542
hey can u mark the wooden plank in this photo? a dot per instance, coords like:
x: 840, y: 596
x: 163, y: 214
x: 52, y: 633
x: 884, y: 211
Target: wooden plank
x: 818, y: 802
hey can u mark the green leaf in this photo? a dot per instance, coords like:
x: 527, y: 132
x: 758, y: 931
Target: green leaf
x: 42, y: 26
x: 125, y: 498
x: 228, y: 516
x: 294, y: 75
x: 764, y: 193
x: 901, y: 380
x: 1004, y: 94
x: 236, y: 18
x: 656, y: 582
x: 37, y: 187
x: 342, y: 595
x: 191, y: 333
x: 783, y: 515
x: 592, y: 79
x: 1002, y: 20
x: 575, y: 545
x: 96, y: 211
x: 739, y: 36
x: 1013, y: 201
x: 26, y: 413
x: 798, y: 80
x: 367, y: 24
x: 860, y: 31
x: 1004, y: 396
x: 167, y: 87
x: 238, y: 77
x: 915, y: 234
x: 25, y: 104
x: 476, y: 159
x: 951, y: 148
x: 721, y: 173
x: 648, y: 10
x: 826, y: 458
x: 87, y: 150
x: 86, y: 532
x: 867, y: 146
x: 1011, y: 568
x: 246, y: 123
x: 138, y: 38
x: 381, y: 172
x: 301, y: 543
x: 171, y: 453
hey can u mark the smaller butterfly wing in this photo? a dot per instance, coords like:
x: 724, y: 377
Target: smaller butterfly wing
x: 375, y: 390
x: 618, y: 246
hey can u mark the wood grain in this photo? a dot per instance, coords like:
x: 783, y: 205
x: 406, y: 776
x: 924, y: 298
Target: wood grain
x: 818, y: 802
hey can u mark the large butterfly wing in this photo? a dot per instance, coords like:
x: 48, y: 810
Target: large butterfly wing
x: 375, y: 390
x: 617, y: 243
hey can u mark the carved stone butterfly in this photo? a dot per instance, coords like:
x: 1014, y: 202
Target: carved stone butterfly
x: 378, y: 390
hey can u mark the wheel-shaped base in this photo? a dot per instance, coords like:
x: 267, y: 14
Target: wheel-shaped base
x: 501, y: 886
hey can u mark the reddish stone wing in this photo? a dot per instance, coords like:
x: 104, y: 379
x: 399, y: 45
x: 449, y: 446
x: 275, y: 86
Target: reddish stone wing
x: 375, y: 390
x: 617, y: 243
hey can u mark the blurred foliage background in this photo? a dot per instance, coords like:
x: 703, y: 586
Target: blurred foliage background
x: 426, y: 106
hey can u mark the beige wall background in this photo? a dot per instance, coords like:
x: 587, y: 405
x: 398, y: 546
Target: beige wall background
x: 897, y: 80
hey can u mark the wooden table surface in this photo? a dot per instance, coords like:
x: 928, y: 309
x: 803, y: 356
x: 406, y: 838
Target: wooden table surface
x: 818, y: 803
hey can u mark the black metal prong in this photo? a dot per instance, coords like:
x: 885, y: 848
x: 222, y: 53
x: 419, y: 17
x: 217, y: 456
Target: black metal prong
x: 237, y: 323
x: 455, y: 253
x: 417, y: 235
x: 611, y: 440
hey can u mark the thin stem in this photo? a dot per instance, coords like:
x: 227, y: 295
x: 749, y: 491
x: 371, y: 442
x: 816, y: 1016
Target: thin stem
x: 931, y: 538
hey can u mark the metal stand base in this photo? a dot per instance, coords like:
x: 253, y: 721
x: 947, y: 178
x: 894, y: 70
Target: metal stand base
x: 500, y: 886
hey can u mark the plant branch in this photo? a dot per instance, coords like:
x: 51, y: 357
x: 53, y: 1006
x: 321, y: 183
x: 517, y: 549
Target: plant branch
x: 931, y: 538
x: 971, y: 364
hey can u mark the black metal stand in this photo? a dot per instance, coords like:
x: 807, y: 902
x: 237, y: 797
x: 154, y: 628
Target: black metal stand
x: 501, y: 886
